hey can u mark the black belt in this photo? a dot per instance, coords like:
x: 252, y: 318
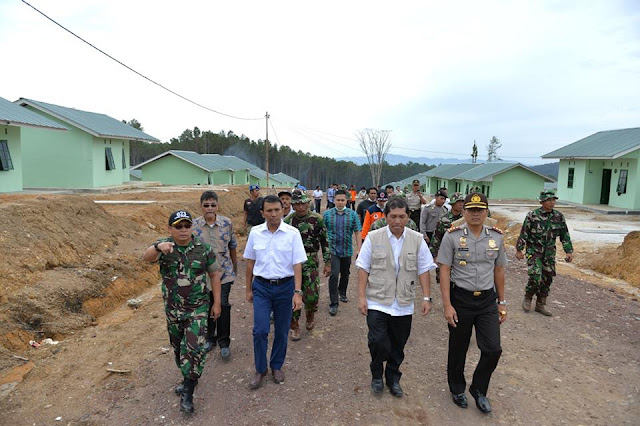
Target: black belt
x: 414, y: 210
x: 276, y: 281
x: 475, y: 293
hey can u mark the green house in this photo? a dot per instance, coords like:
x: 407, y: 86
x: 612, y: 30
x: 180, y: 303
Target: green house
x: 603, y: 168
x: 495, y: 180
x: 185, y: 168
x: 14, y: 119
x: 93, y: 153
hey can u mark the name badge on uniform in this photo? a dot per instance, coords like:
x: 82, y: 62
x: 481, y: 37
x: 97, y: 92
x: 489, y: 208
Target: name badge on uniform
x: 463, y: 248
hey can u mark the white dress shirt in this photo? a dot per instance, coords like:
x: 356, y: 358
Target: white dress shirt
x: 274, y: 253
x: 425, y: 263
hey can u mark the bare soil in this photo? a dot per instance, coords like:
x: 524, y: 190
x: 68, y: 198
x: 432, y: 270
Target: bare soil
x: 69, y: 266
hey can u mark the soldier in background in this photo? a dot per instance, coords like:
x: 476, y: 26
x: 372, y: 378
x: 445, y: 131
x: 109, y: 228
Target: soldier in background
x: 539, y: 231
x: 185, y: 261
x: 252, y: 207
x: 314, y: 237
x: 431, y: 215
x: 457, y: 203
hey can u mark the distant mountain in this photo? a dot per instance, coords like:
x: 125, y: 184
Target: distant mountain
x: 548, y: 169
x: 394, y: 159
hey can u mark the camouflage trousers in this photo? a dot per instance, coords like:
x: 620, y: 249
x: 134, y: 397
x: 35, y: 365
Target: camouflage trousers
x: 541, y: 269
x: 310, y: 285
x: 187, y: 334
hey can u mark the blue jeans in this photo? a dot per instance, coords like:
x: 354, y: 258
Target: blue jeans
x: 266, y: 298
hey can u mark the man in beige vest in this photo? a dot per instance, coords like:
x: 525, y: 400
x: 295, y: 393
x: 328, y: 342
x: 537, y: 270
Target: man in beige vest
x: 392, y: 261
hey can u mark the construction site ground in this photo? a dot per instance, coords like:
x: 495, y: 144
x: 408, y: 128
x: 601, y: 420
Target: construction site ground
x: 69, y: 265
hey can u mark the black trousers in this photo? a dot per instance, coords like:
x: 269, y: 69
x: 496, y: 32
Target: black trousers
x: 219, y: 331
x: 480, y: 312
x: 415, y: 216
x: 339, y: 268
x: 317, y: 203
x: 387, y: 337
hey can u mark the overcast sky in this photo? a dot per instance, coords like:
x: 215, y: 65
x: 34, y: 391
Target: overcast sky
x: 536, y: 74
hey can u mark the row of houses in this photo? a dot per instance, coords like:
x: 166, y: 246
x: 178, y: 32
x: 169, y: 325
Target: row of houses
x: 600, y: 169
x: 191, y: 168
x: 46, y: 146
x: 495, y: 180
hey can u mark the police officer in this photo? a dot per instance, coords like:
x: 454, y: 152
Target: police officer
x: 472, y: 273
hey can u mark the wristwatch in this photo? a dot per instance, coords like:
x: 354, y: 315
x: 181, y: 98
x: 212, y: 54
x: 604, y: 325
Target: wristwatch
x: 428, y: 299
x: 298, y: 292
x: 155, y: 245
x: 502, y: 302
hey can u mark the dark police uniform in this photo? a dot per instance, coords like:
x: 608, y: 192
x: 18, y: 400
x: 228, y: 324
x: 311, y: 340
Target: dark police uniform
x: 473, y: 296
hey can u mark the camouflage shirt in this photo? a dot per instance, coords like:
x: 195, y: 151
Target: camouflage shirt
x: 444, y: 223
x: 313, y: 232
x: 540, y: 230
x: 184, y: 271
x: 381, y: 223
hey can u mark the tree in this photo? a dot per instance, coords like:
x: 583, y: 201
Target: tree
x: 375, y: 144
x: 492, y: 150
x: 474, y: 153
x: 134, y: 123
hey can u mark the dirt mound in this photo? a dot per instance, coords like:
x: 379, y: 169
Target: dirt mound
x: 623, y: 264
x: 67, y: 260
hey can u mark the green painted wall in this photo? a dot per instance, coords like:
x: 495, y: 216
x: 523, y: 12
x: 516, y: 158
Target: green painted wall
x: 240, y: 177
x: 71, y: 159
x: 102, y: 176
x: 11, y: 180
x: 171, y: 170
x: 587, y: 183
x: 221, y: 177
x: 515, y: 183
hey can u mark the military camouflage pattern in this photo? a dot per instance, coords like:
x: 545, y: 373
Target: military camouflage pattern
x: 187, y: 303
x: 538, y: 235
x: 314, y: 237
x: 444, y: 223
x: 381, y: 223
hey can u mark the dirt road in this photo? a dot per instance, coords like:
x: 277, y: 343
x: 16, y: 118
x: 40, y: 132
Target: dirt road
x: 582, y: 366
x: 579, y: 367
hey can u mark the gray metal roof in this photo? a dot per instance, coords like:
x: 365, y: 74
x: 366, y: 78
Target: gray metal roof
x: 15, y: 115
x: 454, y: 170
x: 191, y: 157
x: 99, y: 125
x: 284, y: 178
x: 606, y: 144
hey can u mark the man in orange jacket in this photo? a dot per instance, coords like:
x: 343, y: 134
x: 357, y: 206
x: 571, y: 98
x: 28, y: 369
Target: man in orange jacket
x: 374, y: 213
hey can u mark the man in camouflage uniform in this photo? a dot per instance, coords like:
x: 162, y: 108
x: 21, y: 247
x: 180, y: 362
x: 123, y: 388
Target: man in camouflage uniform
x: 314, y: 237
x: 444, y: 223
x: 539, y: 231
x: 185, y: 261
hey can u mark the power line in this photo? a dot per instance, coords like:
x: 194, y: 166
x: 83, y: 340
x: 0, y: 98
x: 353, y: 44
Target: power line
x: 274, y: 130
x: 138, y: 73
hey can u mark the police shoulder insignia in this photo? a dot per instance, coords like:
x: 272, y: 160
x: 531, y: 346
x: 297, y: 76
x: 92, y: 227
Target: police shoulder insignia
x: 498, y: 230
x: 453, y: 229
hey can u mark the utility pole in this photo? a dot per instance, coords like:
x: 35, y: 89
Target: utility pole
x: 266, y: 119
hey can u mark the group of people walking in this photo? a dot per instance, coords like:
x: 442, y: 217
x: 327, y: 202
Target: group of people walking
x: 394, y: 252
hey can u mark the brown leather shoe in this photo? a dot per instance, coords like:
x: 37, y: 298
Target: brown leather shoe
x: 295, y: 330
x: 256, y: 380
x: 278, y: 376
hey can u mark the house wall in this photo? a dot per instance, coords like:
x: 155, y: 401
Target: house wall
x: 11, y: 180
x: 171, y: 170
x: 221, y: 177
x: 629, y: 199
x: 240, y: 177
x: 515, y: 183
x: 56, y: 159
x: 102, y: 176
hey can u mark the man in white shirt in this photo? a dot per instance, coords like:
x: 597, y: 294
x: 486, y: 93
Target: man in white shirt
x: 317, y: 198
x: 391, y: 261
x: 274, y: 254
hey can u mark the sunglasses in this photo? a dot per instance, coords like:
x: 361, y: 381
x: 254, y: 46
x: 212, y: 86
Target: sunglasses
x: 416, y: 184
x: 185, y: 225
x: 206, y: 206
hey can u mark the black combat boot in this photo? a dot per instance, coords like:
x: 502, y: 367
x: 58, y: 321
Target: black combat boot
x: 186, y: 400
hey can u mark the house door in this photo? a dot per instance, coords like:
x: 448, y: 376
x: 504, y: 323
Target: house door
x: 606, y: 186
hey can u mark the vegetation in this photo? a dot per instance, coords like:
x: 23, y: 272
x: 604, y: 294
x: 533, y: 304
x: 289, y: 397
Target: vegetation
x: 311, y: 170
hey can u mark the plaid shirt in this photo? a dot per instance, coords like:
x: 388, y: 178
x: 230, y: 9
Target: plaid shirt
x: 340, y: 229
x: 221, y: 238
